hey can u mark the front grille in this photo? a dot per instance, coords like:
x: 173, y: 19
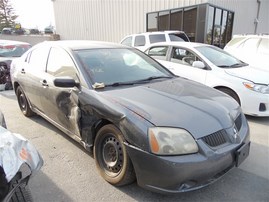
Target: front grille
x: 215, y: 139
x: 238, y: 122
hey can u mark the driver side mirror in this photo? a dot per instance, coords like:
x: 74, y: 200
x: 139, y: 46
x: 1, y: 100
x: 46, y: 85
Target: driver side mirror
x: 198, y: 64
x: 65, y: 82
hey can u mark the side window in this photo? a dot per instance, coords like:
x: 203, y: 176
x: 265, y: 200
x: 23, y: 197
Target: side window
x: 183, y: 56
x: 158, y: 52
x: 38, y: 58
x: 140, y: 40
x: 155, y: 38
x: 60, y: 64
x: 127, y: 41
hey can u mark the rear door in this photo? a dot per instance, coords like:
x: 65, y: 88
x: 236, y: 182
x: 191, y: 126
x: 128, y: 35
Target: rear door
x: 181, y: 63
x: 30, y: 74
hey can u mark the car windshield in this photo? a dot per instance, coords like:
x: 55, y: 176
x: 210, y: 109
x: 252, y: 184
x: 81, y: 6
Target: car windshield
x: 114, y: 67
x: 219, y: 57
x: 13, y: 50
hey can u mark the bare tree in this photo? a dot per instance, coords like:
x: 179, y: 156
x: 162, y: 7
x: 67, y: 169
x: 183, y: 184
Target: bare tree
x: 7, y: 14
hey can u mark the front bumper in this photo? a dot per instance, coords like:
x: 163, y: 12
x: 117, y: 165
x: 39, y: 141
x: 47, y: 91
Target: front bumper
x: 254, y: 103
x: 175, y: 174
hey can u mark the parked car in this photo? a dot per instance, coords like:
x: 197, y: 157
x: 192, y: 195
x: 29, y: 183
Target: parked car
x: 143, y: 40
x: 252, y: 49
x: 7, y: 30
x: 34, y: 31
x: 48, y: 30
x: 216, y: 68
x: 141, y: 121
x: 8, y: 51
x: 18, y: 161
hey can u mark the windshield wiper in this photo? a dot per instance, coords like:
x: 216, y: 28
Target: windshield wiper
x: 233, y: 65
x: 120, y: 84
x: 237, y: 65
x: 155, y: 77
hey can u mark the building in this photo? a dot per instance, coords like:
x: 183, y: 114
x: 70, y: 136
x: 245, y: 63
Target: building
x: 209, y: 21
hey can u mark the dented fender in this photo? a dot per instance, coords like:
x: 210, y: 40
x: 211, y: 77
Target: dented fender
x: 97, y: 108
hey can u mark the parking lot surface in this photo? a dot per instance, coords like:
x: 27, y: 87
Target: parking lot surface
x: 69, y: 173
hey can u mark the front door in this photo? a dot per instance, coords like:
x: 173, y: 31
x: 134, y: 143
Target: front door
x: 61, y: 104
x: 180, y: 63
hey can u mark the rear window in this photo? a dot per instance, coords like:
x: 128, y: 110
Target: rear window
x: 127, y: 41
x: 178, y: 37
x: 155, y: 38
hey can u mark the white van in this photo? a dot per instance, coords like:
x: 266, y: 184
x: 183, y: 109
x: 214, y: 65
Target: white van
x: 143, y: 40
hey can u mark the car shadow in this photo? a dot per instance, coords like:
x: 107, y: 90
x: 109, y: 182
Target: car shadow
x: 10, y: 94
x: 42, y: 188
x: 40, y: 120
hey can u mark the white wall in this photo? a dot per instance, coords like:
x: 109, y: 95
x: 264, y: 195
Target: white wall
x: 107, y: 20
x: 111, y: 20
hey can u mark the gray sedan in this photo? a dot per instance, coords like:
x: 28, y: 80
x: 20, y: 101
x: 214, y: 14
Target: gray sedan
x: 140, y: 121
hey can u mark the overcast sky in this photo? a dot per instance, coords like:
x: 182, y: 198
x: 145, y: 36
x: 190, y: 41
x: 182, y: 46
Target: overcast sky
x: 34, y: 13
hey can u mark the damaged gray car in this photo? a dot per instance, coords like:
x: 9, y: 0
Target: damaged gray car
x: 140, y: 121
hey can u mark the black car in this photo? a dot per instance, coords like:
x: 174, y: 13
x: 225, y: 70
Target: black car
x: 141, y: 121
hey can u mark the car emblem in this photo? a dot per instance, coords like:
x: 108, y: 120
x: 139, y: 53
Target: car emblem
x: 235, y: 133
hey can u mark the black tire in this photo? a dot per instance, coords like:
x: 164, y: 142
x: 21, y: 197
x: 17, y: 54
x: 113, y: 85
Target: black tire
x: 23, y: 103
x: 22, y: 192
x: 230, y: 93
x: 3, y: 184
x: 111, y: 157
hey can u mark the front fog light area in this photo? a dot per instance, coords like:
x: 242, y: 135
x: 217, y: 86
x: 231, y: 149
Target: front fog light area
x: 171, y: 141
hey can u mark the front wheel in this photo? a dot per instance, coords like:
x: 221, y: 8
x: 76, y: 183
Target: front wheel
x: 111, y: 157
x: 23, y: 103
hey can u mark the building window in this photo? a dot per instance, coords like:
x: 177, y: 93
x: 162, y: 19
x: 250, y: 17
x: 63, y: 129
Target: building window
x: 214, y: 24
x: 164, y: 20
x: 152, y: 22
x: 176, y: 19
x: 189, y: 22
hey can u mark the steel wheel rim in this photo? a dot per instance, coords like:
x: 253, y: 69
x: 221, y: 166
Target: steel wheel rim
x: 112, y: 155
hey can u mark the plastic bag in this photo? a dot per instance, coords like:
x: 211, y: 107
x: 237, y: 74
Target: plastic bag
x: 15, y: 150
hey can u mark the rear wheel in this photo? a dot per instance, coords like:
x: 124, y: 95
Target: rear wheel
x: 23, y: 103
x: 230, y: 93
x: 111, y: 157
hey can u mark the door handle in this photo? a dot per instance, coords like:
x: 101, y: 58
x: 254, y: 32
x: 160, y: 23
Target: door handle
x: 44, y: 83
x: 22, y: 71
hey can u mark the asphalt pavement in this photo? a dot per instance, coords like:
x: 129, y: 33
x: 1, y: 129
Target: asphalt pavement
x: 69, y: 173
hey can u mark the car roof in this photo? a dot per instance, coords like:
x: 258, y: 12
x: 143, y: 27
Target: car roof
x: 11, y: 42
x: 179, y: 43
x: 250, y: 36
x: 83, y: 44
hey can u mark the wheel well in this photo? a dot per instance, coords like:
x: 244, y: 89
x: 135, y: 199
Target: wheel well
x: 221, y: 88
x: 16, y: 84
x: 98, y: 126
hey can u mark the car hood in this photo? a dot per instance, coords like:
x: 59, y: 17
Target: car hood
x: 179, y: 103
x: 249, y: 73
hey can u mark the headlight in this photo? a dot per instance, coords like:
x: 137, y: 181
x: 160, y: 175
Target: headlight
x: 171, y: 141
x: 257, y: 87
